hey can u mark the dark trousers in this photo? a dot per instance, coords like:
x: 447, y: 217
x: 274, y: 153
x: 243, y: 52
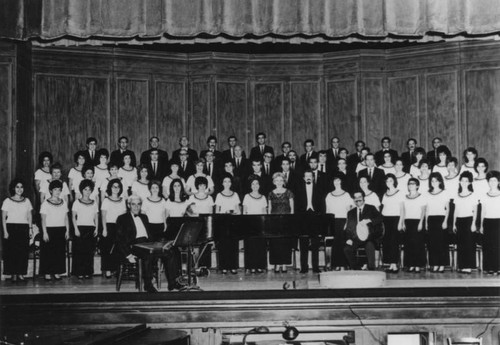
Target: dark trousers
x: 109, y: 256
x: 466, y: 246
x: 147, y: 263
x: 338, y: 256
x: 491, y: 244
x: 350, y: 253
x: 83, y: 252
x: 228, y: 249
x: 414, y: 244
x: 312, y: 241
x: 255, y: 253
x: 438, y: 242
x: 390, y: 242
x: 16, y: 249
x: 53, y: 253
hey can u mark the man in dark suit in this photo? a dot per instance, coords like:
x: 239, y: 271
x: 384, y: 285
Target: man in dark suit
x: 309, y: 152
x: 310, y: 202
x: 133, y: 228
x: 257, y: 152
x: 241, y: 164
x: 285, y: 148
x: 212, y: 167
x: 319, y: 177
x: 266, y: 182
x: 157, y: 168
x: 409, y: 157
x: 326, y: 167
x: 332, y: 154
x: 367, y: 215
x: 295, y: 166
x: 292, y: 180
x: 184, y: 144
x: 354, y: 159
x: 386, y: 147
x: 186, y: 166
x: 433, y: 155
x: 90, y: 154
x: 154, y: 143
x: 267, y: 164
x: 117, y: 155
x: 212, y: 146
x: 374, y: 175
x: 228, y: 155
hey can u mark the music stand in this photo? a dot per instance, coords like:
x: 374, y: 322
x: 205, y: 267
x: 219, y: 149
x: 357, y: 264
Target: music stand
x: 187, y: 237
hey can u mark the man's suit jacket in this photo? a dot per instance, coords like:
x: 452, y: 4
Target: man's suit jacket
x: 376, y: 182
x: 277, y: 162
x: 322, y: 182
x: 126, y: 232
x: 331, y: 158
x: 243, y: 169
x: 293, y: 181
x: 433, y: 158
x: 352, y: 162
x: 117, y: 157
x: 303, y: 159
x: 318, y: 200
x: 217, y: 169
x: 408, y: 159
x: 369, y: 212
x: 188, y: 171
x: 227, y: 157
x: 146, y: 156
x: 90, y: 161
x: 192, y: 155
x: 379, y: 156
x: 256, y: 154
x: 161, y: 170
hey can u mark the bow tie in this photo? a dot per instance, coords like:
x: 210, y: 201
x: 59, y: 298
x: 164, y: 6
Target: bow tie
x: 136, y: 215
x: 308, y: 182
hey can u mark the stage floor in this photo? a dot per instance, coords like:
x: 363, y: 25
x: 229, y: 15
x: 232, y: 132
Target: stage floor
x: 244, y: 281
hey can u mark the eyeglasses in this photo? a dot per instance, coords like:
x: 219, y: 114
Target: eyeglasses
x: 268, y: 156
x: 359, y: 200
x: 411, y: 183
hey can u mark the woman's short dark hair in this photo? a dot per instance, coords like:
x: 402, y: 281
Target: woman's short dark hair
x: 84, y: 184
x: 111, y: 183
x: 77, y: 155
x: 13, y: 184
x: 102, y: 152
x: 493, y: 174
x: 444, y: 149
x: 158, y: 183
x: 55, y: 184
x: 469, y: 149
x: 467, y: 175
x: 413, y: 179
x: 171, y: 195
x: 201, y: 160
x: 200, y: 180
x: 113, y: 165
x: 230, y: 177
x: 438, y: 177
x: 421, y: 151
x: 56, y: 166
x: 339, y: 176
x: 422, y: 162
x: 343, y: 149
x: 43, y: 155
x: 394, y: 178
x: 453, y: 160
x: 140, y: 168
x: 253, y: 178
x: 481, y: 160
x: 86, y: 168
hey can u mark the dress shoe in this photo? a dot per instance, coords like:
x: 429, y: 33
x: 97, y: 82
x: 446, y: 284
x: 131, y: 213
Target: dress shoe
x: 80, y: 277
x: 234, y: 271
x: 57, y: 277
x: 150, y: 289
x: 176, y: 286
x: 13, y: 278
x: 47, y: 278
x: 304, y: 271
x: 88, y: 277
x: 224, y: 271
x: 260, y: 270
x: 21, y: 278
x: 284, y: 269
x: 252, y: 270
x: 316, y: 270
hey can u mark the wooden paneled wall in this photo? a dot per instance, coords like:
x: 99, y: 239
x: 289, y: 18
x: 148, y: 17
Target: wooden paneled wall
x: 450, y: 90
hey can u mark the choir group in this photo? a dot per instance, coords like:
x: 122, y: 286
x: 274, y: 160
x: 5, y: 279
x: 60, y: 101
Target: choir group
x: 423, y: 200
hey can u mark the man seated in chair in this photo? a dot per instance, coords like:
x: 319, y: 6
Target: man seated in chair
x: 133, y: 228
x: 360, y: 216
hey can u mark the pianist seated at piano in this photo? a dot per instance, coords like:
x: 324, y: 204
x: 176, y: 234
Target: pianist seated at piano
x: 228, y: 202
x: 200, y: 202
x: 133, y: 228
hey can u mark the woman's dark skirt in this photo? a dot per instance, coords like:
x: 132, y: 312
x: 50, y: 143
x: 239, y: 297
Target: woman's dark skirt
x: 438, y: 242
x: 280, y: 251
x: 338, y: 244
x: 53, y: 253
x: 109, y: 255
x: 466, y: 246
x: 16, y: 249
x: 255, y: 253
x: 491, y: 245
x: 414, y: 244
x: 390, y: 242
x: 156, y: 231
x: 228, y: 254
x: 83, y: 252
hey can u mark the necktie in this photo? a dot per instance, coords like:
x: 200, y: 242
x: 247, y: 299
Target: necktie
x: 371, y: 173
x: 154, y: 167
x: 293, y: 165
x: 210, y: 169
x: 359, y: 214
x: 91, y: 155
x: 322, y: 168
x: 232, y: 154
x: 183, y: 165
x: 286, y: 177
x: 335, y: 153
x: 267, y: 169
x: 315, y: 176
x: 262, y: 149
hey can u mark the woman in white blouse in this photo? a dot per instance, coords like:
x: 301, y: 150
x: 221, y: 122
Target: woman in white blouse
x: 469, y: 159
x: 412, y: 223
x: 392, y: 208
x: 414, y: 168
x: 228, y: 201
x: 370, y: 197
x: 140, y: 187
x: 438, y: 205
x: 101, y: 172
x: 190, y: 183
x: 174, y: 175
x: 451, y: 179
x: 55, y: 227
x: 112, y: 206
x: 490, y: 224
x: 176, y: 206
x: 17, y: 223
x: 128, y: 172
x: 43, y: 172
x: 84, y: 216
x: 155, y: 207
x: 75, y: 174
x: 441, y: 165
x: 464, y: 223
x: 255, y: 248
x: 201, y: 202
x: 401, y: 176
x: 480, y: 184
x: 338, y: 203
x: 388, y: 166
